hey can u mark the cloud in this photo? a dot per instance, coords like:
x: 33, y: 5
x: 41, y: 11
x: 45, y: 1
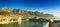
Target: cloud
x: 55, y: 11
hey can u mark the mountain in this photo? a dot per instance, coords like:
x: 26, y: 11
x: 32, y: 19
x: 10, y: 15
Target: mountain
x: 24, y: 13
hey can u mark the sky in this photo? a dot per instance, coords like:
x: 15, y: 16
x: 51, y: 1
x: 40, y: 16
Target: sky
x: 46, y: 6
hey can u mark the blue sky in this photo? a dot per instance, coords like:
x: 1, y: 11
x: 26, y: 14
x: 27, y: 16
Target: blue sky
x: 46, y: 6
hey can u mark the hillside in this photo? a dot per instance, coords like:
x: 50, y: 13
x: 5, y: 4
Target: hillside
x: 7, y: 11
